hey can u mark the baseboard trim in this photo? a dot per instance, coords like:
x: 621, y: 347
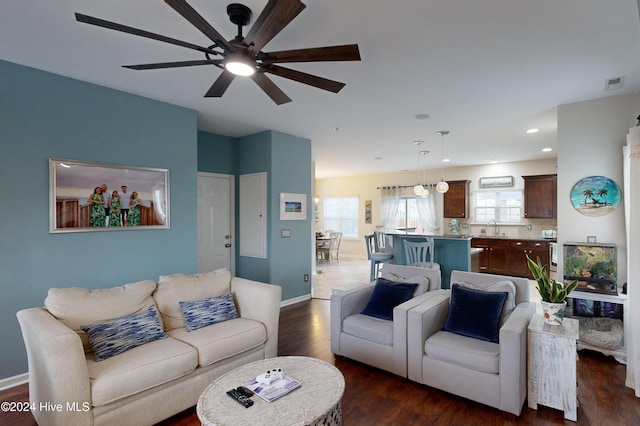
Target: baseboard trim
x: 14, y: 381
x: 295, y: 300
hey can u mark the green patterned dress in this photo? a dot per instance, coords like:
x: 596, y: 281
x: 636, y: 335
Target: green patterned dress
x: 98, y: 218
x: 114, y: 213
x: 134, y: 211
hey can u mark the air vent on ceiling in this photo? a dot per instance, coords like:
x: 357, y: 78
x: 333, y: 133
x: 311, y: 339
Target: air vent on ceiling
x: 613, y: 83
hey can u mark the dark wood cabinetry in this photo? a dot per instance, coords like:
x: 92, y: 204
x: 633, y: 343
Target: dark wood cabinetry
x: 456, y: 199
x: 508, y: 256
x: 540, y: 196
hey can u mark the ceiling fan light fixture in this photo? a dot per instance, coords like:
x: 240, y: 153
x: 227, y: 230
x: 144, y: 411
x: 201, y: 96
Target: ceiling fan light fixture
x: 239, y: 64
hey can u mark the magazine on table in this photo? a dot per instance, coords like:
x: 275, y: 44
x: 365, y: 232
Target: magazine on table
x: 275, y: 390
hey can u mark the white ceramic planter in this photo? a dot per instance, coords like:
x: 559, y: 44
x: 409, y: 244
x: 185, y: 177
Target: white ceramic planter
x: 553, y: 312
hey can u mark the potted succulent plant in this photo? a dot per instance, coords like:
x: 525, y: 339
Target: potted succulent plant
x: 553, y: 293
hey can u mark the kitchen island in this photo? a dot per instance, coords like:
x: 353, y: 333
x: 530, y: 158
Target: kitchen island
x: 451, y: 252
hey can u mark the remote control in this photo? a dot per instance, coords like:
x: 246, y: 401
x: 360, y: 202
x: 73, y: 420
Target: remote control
x: 245, y: 391
x: 246, y: 402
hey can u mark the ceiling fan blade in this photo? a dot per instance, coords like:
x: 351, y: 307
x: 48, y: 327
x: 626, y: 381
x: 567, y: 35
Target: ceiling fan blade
x: 189, y: 13
x: 173, y: 64
x: 304, y: 78
x: 141, y: 33
x: 269, y: 87
x: 274, y: 17
x: 347, y: 52
x: 220, y: 85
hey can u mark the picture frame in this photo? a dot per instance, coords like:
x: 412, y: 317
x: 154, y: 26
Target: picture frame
x: 75, y: 201
x: 293, y: 206
x: 496, y: 181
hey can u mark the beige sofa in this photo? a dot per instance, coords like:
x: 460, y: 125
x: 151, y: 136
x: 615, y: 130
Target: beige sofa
x: 155, y: 380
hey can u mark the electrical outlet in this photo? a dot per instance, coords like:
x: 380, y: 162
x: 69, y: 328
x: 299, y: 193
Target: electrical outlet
x: 306, y: 278
x: 529, y: 226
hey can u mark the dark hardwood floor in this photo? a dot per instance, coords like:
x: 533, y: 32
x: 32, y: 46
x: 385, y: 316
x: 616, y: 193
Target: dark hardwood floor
x: 374, y: 397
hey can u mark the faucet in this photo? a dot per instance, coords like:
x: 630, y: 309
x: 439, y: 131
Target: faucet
x: 495, y: 226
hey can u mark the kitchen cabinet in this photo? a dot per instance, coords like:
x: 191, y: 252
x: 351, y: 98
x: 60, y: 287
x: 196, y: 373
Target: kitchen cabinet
x: 507, y: 256
x: 540, y: 196
x: 456, y: 199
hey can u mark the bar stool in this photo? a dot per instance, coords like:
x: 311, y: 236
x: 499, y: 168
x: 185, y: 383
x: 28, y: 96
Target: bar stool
x: 420, y: 254
x: 376, y: 257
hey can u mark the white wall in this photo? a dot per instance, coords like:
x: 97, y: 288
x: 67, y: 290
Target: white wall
x: 590, y: 139
x: 365, y: 188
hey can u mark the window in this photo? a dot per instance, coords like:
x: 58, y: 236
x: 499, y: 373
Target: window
x: 501, y: 206
x: 407, y: 216
x: 341, y: 214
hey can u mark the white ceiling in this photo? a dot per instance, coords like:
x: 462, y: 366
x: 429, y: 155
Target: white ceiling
x: 484, y: 70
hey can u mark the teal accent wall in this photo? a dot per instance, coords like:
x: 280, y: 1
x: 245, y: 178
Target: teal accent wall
x: 291, y: 172
x: 43, y: 115
x: 254, y: 155
x: 217, y: 153
x: 286, y: 160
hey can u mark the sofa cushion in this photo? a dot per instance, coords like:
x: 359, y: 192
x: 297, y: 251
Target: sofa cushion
x: 369, y: 328
x: 475, y: 313
x: 75, y: 307
x: 114, y: 337
x: 508, y: 286
x: 139, y: 369
x: 201, y: 313
x: 173, y: 289
x: 386, y: 296
x: 463, y: 351
x: 222, y: 340
x: 423, y: 282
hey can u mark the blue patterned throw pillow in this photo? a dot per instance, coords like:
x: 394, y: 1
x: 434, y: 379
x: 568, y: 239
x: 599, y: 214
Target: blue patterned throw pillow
x: 121, y: 334
x: 201, y: 313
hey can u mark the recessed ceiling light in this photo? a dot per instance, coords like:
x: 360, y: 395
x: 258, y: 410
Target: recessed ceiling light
x: 491, y: 161
x: 335, y: 128
x: 533, y: 131
x: 547, y: 149
x: 446, y: 160
x: 422, y: 116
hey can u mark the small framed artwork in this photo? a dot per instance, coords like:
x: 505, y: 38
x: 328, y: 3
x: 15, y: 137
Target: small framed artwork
x: 86, y: 197
x: 368, y: 208
x: 496, y: 181
x: 293, y: 206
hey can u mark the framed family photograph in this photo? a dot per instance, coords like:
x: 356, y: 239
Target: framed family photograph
x: 293, y: 206
x: 86, y: 197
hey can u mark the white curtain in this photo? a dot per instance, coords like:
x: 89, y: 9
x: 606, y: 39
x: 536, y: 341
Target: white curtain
x: 389, y: 205
x: 631, y: 172
x: 427, y: 212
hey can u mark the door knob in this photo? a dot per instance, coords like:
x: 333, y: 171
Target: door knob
x: 227, y: 245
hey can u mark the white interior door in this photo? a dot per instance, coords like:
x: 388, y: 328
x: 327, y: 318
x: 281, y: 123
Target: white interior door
x: 215, y: 222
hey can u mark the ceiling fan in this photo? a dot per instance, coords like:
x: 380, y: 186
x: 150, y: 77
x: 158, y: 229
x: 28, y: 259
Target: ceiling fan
x: 244, y: 55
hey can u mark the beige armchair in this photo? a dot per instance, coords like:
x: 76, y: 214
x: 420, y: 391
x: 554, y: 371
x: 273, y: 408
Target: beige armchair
x: 378, y: 342
x: 490, y: 373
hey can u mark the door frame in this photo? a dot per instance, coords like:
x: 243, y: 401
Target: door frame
x: 232, y: 213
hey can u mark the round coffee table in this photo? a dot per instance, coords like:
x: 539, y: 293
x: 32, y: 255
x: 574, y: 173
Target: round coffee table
x: 316, y: 402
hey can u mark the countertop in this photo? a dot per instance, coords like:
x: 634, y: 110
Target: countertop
x: 469, y: 236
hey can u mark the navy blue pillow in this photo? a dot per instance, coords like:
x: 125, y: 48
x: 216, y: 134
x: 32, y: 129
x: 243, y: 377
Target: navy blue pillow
x: 386, y: 296
x: 475, y: 313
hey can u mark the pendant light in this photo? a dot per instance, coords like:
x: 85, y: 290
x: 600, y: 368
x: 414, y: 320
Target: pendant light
x: 418, y: 190
x: 442, y: 186
x: 425, y: 191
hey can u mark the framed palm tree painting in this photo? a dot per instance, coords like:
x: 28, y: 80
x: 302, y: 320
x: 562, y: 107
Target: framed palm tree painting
x: 595, y: 196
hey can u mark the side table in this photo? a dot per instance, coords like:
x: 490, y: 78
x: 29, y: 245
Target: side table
x: 551, y: 367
